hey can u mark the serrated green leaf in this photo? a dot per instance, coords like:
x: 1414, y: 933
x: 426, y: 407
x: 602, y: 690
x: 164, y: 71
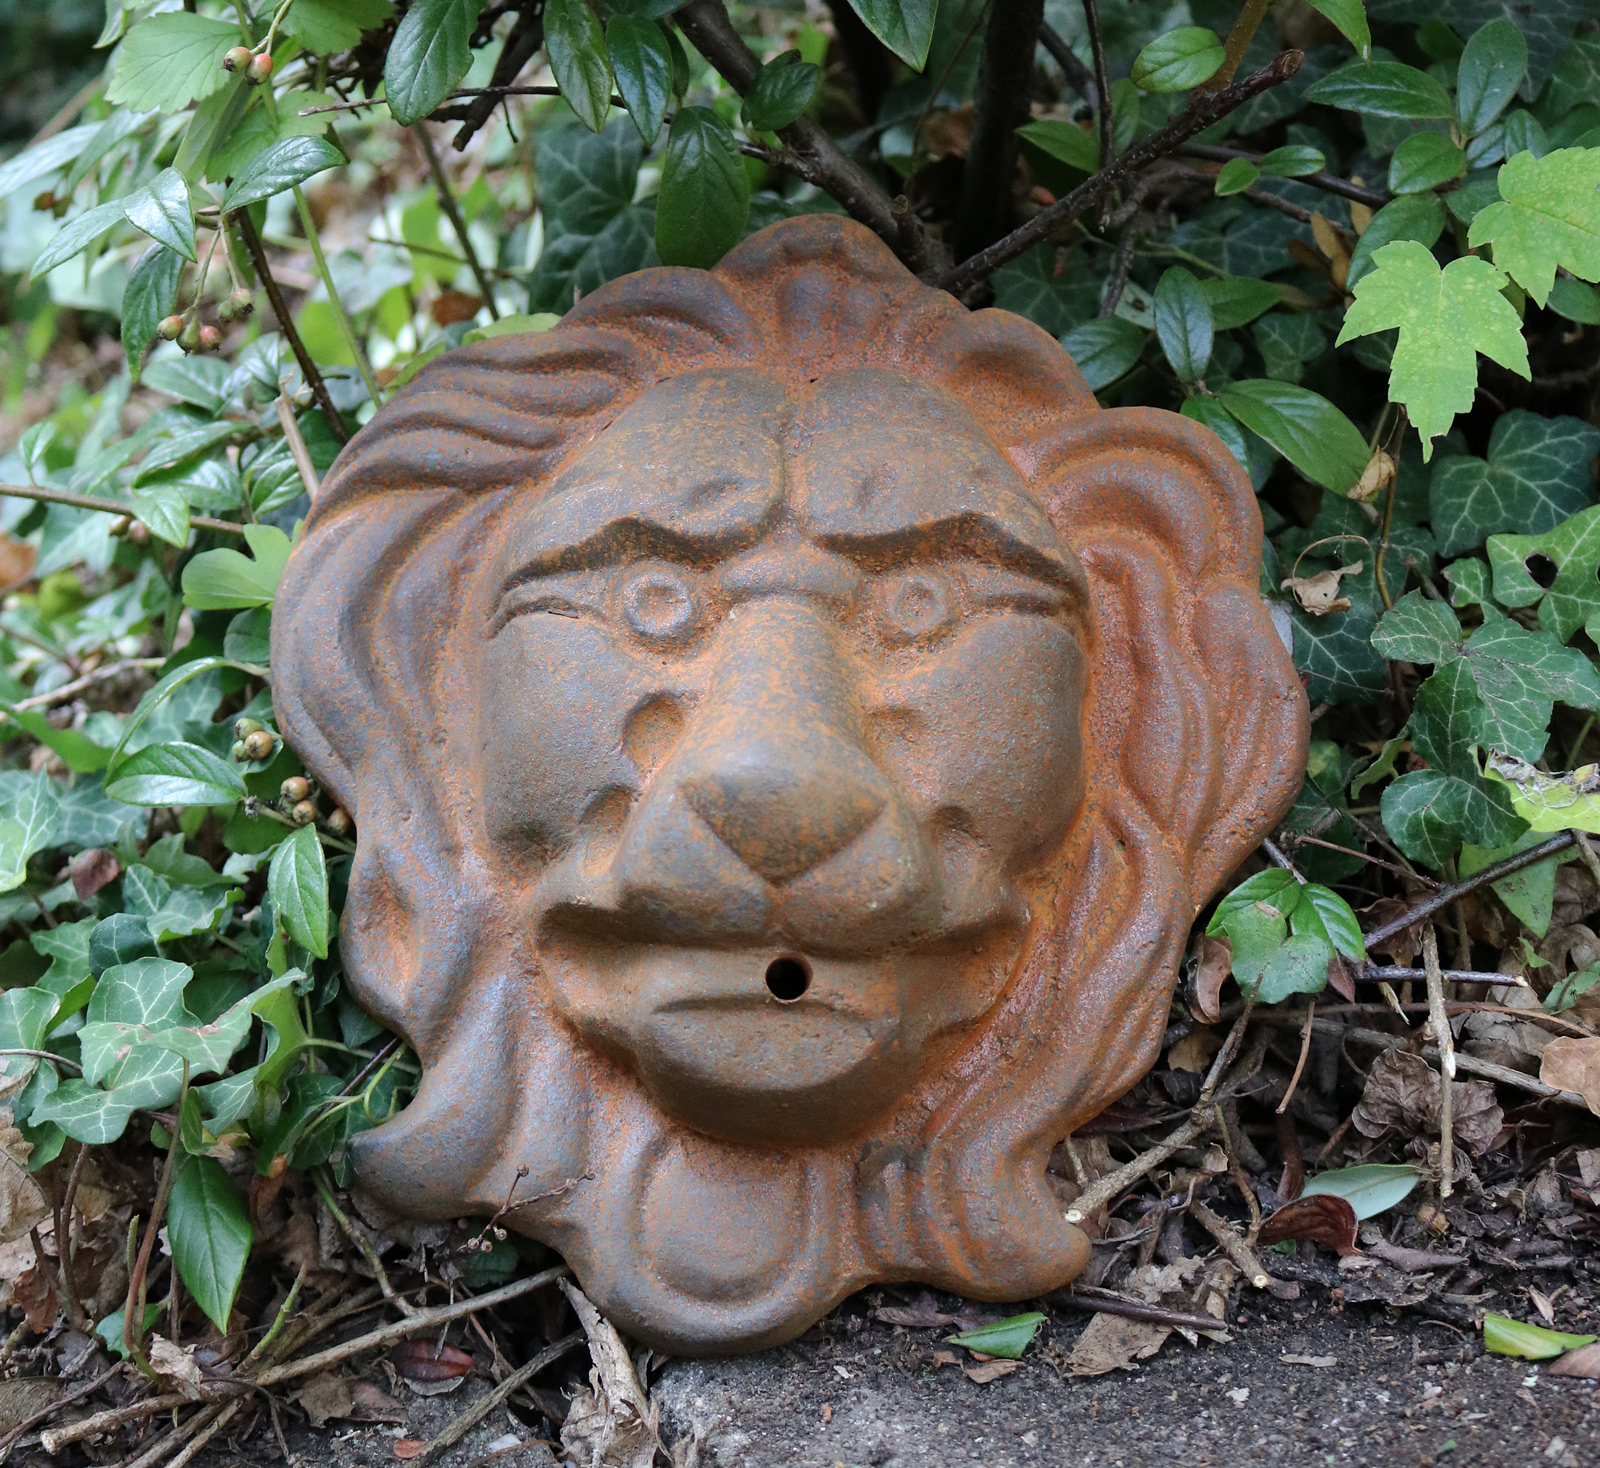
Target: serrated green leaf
x: 705, y: 196
x: 904, y: 26
x: 1075, y: 146
x: 169, y: 60
x: 576, y: 47
x: 1424, y: 161
x: 1503, y: 1336
x: 428, y: 56
x: 1304, y: 427
x: 782, y: 90
x: 642, y: 61
x: 1382, y: 89
x: 1007, y: 1338
x: 1183, y: 323
x: 210, y: 1233
x: 162, y: 210
x: 1549, y: 216
x: 1539, y: 471
x: 324, y: 27
x: 1104, y: 349
x: 1178, y: 60
x: 1491, y: 69
x: 148, y: 297
x: 1371, y: 1189
x: 281, y: 167
x: 297, y: 882
x: 75, y: 236
x: 1325, y: 914
x: 224, y: 579
x: 201, y: 381
x: 174, y: 774
x: 1444, y: 317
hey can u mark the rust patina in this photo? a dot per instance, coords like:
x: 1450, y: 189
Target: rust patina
x: 792, y: 728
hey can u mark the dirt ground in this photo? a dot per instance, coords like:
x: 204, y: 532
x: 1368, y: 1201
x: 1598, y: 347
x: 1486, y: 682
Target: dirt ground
x: 858, y: 1394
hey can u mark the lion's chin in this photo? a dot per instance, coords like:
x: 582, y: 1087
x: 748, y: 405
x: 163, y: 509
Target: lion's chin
x: 767, y: 1046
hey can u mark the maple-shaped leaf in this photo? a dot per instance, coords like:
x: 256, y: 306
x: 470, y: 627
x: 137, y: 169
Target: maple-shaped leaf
x: 1445, y: 317
x: 1549, y: 216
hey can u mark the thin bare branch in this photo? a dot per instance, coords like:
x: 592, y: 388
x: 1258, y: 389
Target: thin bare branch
x: 452, y: 212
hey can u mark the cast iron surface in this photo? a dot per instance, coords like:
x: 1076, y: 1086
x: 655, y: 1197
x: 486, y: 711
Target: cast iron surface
x: 791, y: 728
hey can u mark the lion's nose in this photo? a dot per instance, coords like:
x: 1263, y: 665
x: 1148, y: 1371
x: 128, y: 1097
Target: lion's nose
x: 781, y: 814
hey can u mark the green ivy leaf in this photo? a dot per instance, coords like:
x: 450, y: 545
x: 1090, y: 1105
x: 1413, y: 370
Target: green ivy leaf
x: 904, y: 26
x: 169, y: 60
x: 1424, y: 161
x: 428, y: 56
x: 576, y: 46
x: 149, y: 296
x: 642, y: 61
x: 1491, y: 69
x: 281, y: 167
x: 209, y: 1230
x: 782, y: 90
x: 1178, y: 60
x: 223, y: 579
x: 1570, y: 597
x: 1104, y: 349
x: 1236, y: 300
x: 174, y: 774
x: 30, y: 810
x: 75, y: 236
x: 1430, y: 814
x: 1539, y: 471
x: 1183, y: 323
x: 1549, y: 216
x: 297, y: 882
x: 1383, y: 89
x: 705, y: 196
x: 1304, y: 427
x: 1445, y: 317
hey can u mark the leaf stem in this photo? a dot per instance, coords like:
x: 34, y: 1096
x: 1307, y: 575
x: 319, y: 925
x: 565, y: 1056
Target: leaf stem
x: 1102, y: 84
x: 346, y: 329
x: 452, y: 211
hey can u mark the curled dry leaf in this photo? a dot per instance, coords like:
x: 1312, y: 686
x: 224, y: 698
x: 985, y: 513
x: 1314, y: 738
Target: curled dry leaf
x: 1401, y: 947
x: 1585, y: 1361
x: 1216, y: 963
x: 1571, y: 1064
x: 989, y: 1371
x: 91, y: 870
x: 418, y: 1360
x: 1321, y: 1218
x: 1319, y: 594
x: 16, y: 560
x: 36, y: 1293
x: 1402, y: 1094
x: 1193, y: 1053
x: 1375, y: 478
x: 177, y: 1367
x: 921, y: 1314
x: 612, y: 1424
x: 325, y: 1396
x: 22, y: 1201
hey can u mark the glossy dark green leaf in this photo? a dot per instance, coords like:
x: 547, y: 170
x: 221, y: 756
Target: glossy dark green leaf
x: 174, y: 774
x: 1350, y: 17
x: 75, y: 236
x: 148, y: 297
x: 298, y: 885
x: 209, y: 1229
x: 1304, y: 427
x: 705, y: 197
x: 576, y: 46
x: 1383, y: 89
x: 1236, y: 300
x: 1424, y: 161
x: 281, y: 167
x: 1210, y: 413
x: 428, y: 56
x: 782, y: 90
x: 162, y: 210
x: 904, y: 26
x: 1104, y: 349
x: 1177, y: 60
x: 642, y: 61
x: 1235, y: 176
x: 1491, y: 69
x: 1418, y: 217
x: 1183, y: 323
x: 1293, y: 160
x: 1073, y: 145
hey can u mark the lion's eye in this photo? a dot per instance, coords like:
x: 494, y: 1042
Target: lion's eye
x: 659, y: 604
x: 917, y: 604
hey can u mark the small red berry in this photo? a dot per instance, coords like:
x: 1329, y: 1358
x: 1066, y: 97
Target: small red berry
x: 260, y: 69
x: 339, y: 821
x: 210, y: 338
x: 237, y: 59
x: 259, y: 745
x: 304, y: 813
x: 295, y: 789
x: 170, y: 329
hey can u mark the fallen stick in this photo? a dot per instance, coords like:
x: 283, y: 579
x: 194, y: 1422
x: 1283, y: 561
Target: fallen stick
x: 480, y: 1409
x: 1103, y: 1302
x: 1232, y: 1245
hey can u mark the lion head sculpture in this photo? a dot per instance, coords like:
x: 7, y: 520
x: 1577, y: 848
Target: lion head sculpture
x: 792, y: 728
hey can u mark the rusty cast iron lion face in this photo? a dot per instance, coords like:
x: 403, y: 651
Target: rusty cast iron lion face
x: 791, y: 728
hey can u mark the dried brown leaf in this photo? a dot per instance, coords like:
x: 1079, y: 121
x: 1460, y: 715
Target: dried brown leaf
x: 1571, y: 1064
x: 372, y: 1404
x: 1319, y: 594
x: 1585, y: 1361
x: 178, y: 1367
x: 1112, y: 1343
x: 1401, y: 947
x: 22, y: 1201
x: 454, y: 306
x: 1193, y: 1053
x: 16, y: 560
x: 91, y: 870
x: 989, y: 1371
x: 1216, y: 963
x: 35, y: 1293
x: 1402, y: 1094
x: 921, y: 1314
x: 1375, y: 478
x: 612, y: 1424
x: 1321, y: 1217
x: 430, y: 1361
x: 325, y: 1396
